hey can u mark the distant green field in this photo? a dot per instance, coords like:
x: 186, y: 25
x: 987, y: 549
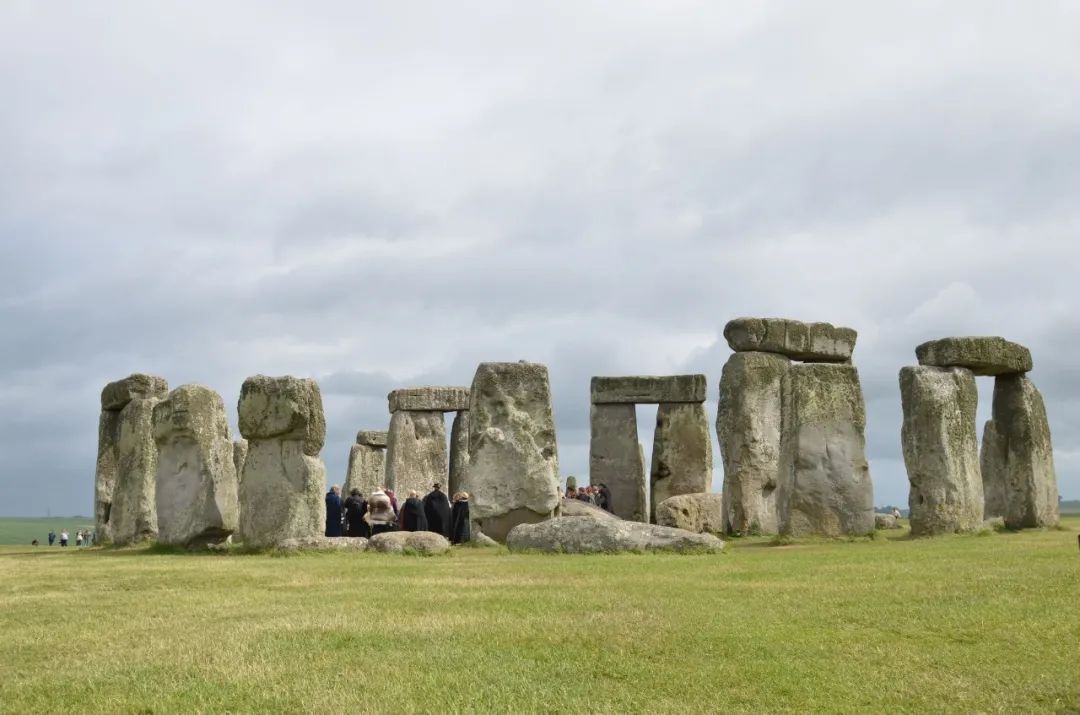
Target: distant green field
x: 19, y: 530
x: 956, y: 624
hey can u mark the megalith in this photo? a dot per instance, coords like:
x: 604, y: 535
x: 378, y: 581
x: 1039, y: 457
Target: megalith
x: 682, y: 459
x: 284, y: 481
x: 748, y: 421
x: 415, y: 451
x: 459, y: 451
x: 127, y: 460
x: 1018, y: 458
x: 513, y: 473
x: 983, y: 355
x: 367, y: 463
x: 240, y: 450
x: 196, y: 491
x: 809, y: 342
x: 824, y: 485
x: 941, y: 450
x: 616, y: 460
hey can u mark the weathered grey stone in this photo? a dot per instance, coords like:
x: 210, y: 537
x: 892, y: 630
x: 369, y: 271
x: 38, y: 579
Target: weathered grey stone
x: 396, y: 542
x: 366, y: 471
x: 576, y: 507
x: 584, y: 535
x: 239, y: 456
x: 748, y: 420
x: 288, y: 408
x: 281, y: 493
x: 616, y: 460
x: 480, y: 540
x: 645, y: 389
x: 372, y: 438
x: 811, y: 342
x: 429, y: 399
x: 513, y: 474
x: 119, y: 393
x: 992, y: 460
x: 941, y: 449
x: 133, y: 516
x: 416, y: 451
x: 105, y: 474
x: 682, y: 453
x: 324, y: 543
x: 1019, y: 459
x: 983, y: 355
x: 699, y: 513
x: 824, y: 486
x: 885, y: 521
x: 196, y: 490
x: 459, y: 451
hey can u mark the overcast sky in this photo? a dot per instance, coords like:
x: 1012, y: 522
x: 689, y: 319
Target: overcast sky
x: 382, y: 195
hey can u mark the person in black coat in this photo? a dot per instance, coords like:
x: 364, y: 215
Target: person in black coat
x: 355, y: 508
x: 412, y: 514
x: 460, y: 531
x: 437, y: 511
x: 333, y: 511
x: 604, y: 498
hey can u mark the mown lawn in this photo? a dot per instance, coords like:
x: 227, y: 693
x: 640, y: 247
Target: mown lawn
x: 23, y: 530
x: 958, y: 624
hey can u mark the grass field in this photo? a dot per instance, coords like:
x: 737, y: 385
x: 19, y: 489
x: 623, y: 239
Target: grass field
x: 21, y: 531
x: 957, y: 624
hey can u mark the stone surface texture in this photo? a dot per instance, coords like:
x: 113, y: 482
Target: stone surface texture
x: 283, y: 485
x: 885, y: 521
x: 133, y: 513
x: 576, y: 507
x: 824, y: 485
x: 396, y: 542
x: 287, y: 408
x: 983, y: 355
x: 941, y: 451
x: 415, y: 452
x: 1018, y: 460
x: 429, y: 399
x: 992, y: 459
x: 117, y: 394
x: 105, y: 473
x: 513, y: 474
x: 584, y: 535
x: 459, y: 452
x: 682, y: 459
x: 648, y: 389
x: 196, y: 490
x: 699, y: 513
x: 372, y: 438
x: 748, y: 421
x: 366, y: 470
x: 616, y: 460
x: 324, y: 543
x: 810, y: 342
x: 239, y: 452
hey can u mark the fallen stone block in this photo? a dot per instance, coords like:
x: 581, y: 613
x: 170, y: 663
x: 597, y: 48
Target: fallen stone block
x: 324, y: 543
x: 699, y: 513
x: 584, y: 535
x: 396, y: 542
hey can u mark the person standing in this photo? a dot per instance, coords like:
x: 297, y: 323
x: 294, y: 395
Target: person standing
x: 52, y: 537
x: 412, y: 513
x: 355, y: 508
x: 460, y: 528
x: 380, y: 515
x: 604, y: 498
x: 63, y: 537
x: 333, y: 511
x: 78, y: 538
x: 437, y: 511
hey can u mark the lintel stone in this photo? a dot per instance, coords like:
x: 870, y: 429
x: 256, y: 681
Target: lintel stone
x: 648, y: 389
x: 371, y: 438
x: 429, y: 399
x: 808, y: 342
x: 983, y: 355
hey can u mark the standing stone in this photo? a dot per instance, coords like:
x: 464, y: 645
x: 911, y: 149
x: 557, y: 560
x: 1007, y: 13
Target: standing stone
x: 748, y: 421
x: 196, y: 491
x: 824, y: 486
x: 513, y: 474
x: 1019, y: 458
x: 682, y: 458
x: 615, y: 459
x: 459, y: 451
x: 941, y: 449
x: 239, y: 456
x: 367, y: 463
x: 105, y: 474
x: 284, y: 481
x: 992, y: 459
x: 415, y: 452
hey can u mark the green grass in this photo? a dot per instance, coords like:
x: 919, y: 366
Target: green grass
x: 955, y: 624
x: 19, y: 530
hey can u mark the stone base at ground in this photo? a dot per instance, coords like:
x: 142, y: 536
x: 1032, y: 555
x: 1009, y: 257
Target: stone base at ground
x: 396, y: 542
x: 583, y: 535
x: 682, y: 453
x: 615, y: 460
x: 324, y: 543
x: 699, y: 513
x: 133, y: 514
x: 282, y: 493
